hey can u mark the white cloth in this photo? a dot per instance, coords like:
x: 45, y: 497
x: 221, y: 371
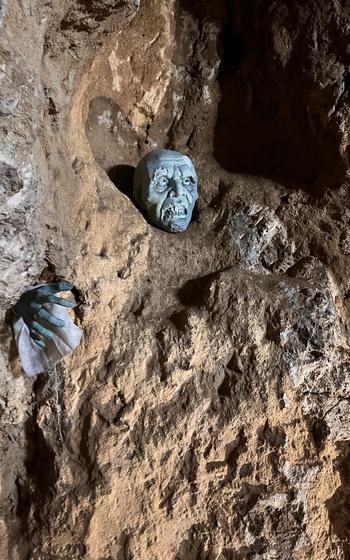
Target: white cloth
x: 36, y: 360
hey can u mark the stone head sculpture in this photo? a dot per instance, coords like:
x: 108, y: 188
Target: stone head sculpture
x: 165, y: 186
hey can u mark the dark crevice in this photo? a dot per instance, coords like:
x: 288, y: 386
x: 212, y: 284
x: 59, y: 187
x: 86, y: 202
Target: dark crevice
x: 232, y: 40
x: 122, y: 177
x: 36, y: 492
x: 320, y: 432
x: 194, y: 292
x: 338, y: 505
x: 274, y: 116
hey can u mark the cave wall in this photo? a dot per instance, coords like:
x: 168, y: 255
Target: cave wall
x: 206, y: 413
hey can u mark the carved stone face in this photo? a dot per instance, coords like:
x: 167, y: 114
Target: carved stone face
x: 165, y: 185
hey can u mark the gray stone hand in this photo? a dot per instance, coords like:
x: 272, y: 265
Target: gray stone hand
x: 31, y: 307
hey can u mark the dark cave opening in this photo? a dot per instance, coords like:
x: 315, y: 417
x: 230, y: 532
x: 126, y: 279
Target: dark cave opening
x: 274, y: 116
x: 260, y: 128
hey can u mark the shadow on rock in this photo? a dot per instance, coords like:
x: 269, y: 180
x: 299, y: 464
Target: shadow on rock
x: 122, y: 176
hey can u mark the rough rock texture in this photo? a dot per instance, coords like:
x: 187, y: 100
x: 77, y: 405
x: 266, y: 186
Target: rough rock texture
x: 206, y: 414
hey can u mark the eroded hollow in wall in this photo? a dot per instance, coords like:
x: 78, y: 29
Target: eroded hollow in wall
x: 133, y: 73
x: 113, y: 142
x: 281, y: 113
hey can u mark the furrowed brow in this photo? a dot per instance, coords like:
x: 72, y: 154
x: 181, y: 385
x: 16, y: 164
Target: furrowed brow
x: 188, y: 176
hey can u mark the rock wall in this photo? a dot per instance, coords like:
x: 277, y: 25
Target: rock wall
x: 206, y: 413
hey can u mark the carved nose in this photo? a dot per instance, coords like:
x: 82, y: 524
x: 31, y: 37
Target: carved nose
x: 176, y: 188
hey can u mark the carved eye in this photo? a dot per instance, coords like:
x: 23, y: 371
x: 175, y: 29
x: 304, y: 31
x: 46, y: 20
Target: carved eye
x: 187, y: 182
x: 161, y: 184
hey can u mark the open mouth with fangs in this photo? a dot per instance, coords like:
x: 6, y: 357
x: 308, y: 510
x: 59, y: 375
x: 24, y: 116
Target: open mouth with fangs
x: 174, y: 212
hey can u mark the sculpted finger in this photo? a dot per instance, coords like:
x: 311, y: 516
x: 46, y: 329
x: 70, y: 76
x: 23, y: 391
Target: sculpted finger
x: 61, y: 286
x: 50, y: 298
x: 50, y: 318
x: 43, y: 290
x: 37, y: 339
x: 41, y: 330
x: 53, y: 288
x: 59, y: 301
